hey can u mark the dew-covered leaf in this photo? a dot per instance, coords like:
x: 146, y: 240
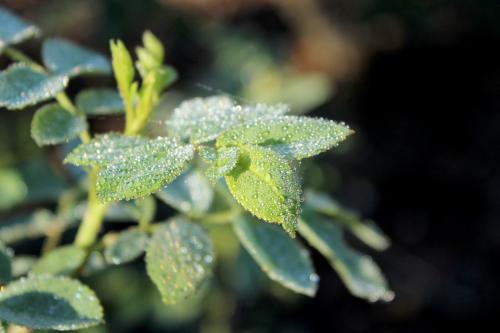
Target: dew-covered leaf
x: 127, y: 246
x: 132, y: 167
x: 283, y: 259
x: 267, y: 186
x: 359, y: 272
x: 53, y: 124
x: 5, y: 264
x: 14, y: 30
x: 291, y: 136
x: 203, y: 119
x: 179, y: 258
x: 49, y: 302
x: 225, y: 161
x: 100, y: 102
x: 61, y: 261
x: 65, y: 58
x: 366, y: 231
x: 190, y: 193
x: 21, y: 86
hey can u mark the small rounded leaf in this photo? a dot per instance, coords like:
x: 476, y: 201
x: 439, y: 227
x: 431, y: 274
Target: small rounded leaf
x: 128, y: 245
x: 61, y: 261
x: 100, y: 102
x: 48, y: 302
x: 53, y: 124
x: 179, y: 258
x: 14, y: 30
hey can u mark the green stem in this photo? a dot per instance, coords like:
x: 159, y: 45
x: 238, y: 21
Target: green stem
x: 93, y: 218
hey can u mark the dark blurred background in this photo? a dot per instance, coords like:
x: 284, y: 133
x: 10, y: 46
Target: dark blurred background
x: 419, y: 81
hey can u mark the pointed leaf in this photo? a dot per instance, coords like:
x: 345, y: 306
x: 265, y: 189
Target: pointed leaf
x: 61, y: 261
x: 203, y: 119
x: 290, y: 136
x: 190, y: 193
x: 14, y: 30
x: 359, y: 272
x: 123, y: 69
x: 267, y: 186
x: 283, y: 259
x: 127, y: 246
x: 52, y: 125
x: 366, y: 231
x: 225, y: 161
x: 179, y: 258
x: 132, y: 167
x: 21, y: 86
x: 48, y: 302
x: 6, y: 255
x: 65, y: 58
x: 100, y: 102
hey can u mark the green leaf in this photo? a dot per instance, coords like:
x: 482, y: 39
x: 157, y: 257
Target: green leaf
x: 64, y: 260
x: 26, y: 226
x: 21, y: 86
x: 283, y: 259
x: 14, y: 30
x: 153, y: 45
x: 123, y: 68
x: 65, y: 58
x: 131, y: 167
x: 53, y: 124
x: 366, y: 231
x: 48, y: 302
x: 291, y: 136
x: 100, y: 102
x: 127, y: 246
x: 267, y: 186
x: 190, y: 193
x: 179, y: 258
x: 13, y: 189
x: 203, y: 119
x: 225, y: 162
x: 21, y: 265
x: 359, y: 272
x: 6, y: 255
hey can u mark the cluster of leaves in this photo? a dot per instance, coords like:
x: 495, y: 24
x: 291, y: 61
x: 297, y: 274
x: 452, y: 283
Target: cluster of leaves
x: 212, y: 147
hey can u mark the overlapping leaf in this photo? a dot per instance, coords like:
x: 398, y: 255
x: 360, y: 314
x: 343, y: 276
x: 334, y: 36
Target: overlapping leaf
x: 290, y: 136
x: 14, y: 30
x: 283, y: 259
x: 267, y: 186
x: 100, y: 102
x: 64, y: 260
x: 21, y: 86
x: 225, y: 161
x: 52, y: 125
x: 62, y: 57
x: 132, y: 167
x: 127, y: 246
x: 190, y: 193
x: 359, y: 272
x: 48, y: 302
x: 203, y: 119
x: 179, y: 258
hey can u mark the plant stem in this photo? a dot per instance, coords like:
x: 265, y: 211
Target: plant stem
x: 93, y: 217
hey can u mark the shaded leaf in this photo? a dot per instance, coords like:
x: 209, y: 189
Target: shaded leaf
x: 65, y: 58
x: 14, y: 30
x: 203, y: 119
x: 52, y: 125
x: 48, y: 302
x: 61, y: 261
x: 21, y: 86
x: 25, y: 226
x: 366, y: 231
x: 179, y: 258
x: 267, y: 186
x: 100, y: 102
x: 21, y: 265
x: 359, y: 272
x: 5, y: 264
x: 127, y: 246
x: 13, y: 189
x: 290, y: 136
x: 225, y: 161
x: 283, y: 259
x: 131, y: 167
x: 190, y: 193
